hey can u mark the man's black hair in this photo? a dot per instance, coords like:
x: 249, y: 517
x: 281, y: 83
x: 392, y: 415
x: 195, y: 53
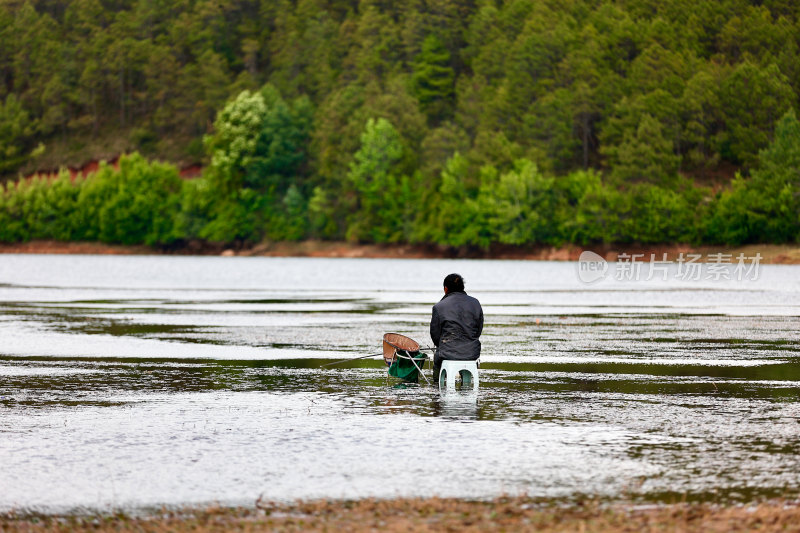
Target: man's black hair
x: 454, y: 283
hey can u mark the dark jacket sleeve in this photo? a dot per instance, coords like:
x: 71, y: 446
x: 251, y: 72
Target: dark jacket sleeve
x: 436, y: 327
x: 480, y: 323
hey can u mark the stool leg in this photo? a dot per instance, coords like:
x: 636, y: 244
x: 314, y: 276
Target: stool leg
x: 451, y: 380
x: 475, y: 381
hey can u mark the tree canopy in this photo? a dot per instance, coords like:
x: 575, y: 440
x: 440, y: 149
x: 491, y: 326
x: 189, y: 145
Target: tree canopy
x: 389, y: 122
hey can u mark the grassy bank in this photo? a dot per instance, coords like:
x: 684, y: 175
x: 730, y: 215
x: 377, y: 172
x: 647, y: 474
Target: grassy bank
x: 502, y: 514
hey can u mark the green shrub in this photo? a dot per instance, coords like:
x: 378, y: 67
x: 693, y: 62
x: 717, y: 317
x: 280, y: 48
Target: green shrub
x: 659, y: 215
x: 143, y: 203
x: 592, y: 212
x: 137, y: 204
x: 764, y: 207
x: 517, y: 207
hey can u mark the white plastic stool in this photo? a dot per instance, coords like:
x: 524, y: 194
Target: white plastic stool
x: 467, y: 369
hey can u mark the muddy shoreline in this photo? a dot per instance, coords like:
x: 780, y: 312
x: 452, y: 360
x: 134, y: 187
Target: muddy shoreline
x: 770, y: 253
x: 435, y: 514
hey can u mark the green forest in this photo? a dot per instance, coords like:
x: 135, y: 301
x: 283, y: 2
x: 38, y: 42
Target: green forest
x: 461, y: 123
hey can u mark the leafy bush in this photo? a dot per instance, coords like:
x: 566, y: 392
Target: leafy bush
x: 592, y: 212
x: 517, y: 207
x: 661, y: 215
x: 765, y: 206
x: 142, y: 204
x: 133, y: 205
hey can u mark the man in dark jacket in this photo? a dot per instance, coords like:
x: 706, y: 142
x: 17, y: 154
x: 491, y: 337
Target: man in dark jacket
x: 456, y: 325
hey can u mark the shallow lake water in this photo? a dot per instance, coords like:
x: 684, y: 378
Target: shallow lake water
x: 136, y: 382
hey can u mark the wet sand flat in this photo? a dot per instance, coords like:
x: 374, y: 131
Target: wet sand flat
x: 501, y: 514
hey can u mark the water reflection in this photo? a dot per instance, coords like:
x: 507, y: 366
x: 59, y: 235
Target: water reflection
x: 457, y: 404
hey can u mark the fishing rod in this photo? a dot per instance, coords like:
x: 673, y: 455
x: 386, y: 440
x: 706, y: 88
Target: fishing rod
x: 421, y: 348
x: 351, y: 359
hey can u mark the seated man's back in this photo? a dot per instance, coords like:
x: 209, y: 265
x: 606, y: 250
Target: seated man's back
x: 456, y: 324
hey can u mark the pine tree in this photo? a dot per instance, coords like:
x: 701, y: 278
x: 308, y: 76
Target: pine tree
x: 433, y: 80
x: 16, y: 133
x: 646, y: 156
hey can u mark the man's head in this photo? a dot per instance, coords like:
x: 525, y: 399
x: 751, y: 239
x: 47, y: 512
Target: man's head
x: 453, y: 283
